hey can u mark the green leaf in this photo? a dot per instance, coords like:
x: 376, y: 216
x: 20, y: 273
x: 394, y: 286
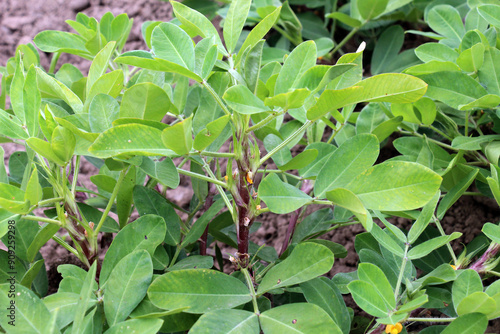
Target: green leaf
x: 63, y: 143
x: 103, y: 110
x: 31, y: 274
x: 453, y: 88
x: 297, y: 268
x: 472, y: 143
x: 258, y: 32
x: 43, y: 235
x: 227, y: 322
x: 368, y: 298
x: 446, y: 21
x: 145, y: 233
x: 395, y: 186
x: 99, y: 65
x: 30, y: 316
x: 146, y: 101
x: 471, y: 60
x: 164, y: 171
x: 373, y: 275
x: 233, y: 24
x: 353, y: 157
x: 61, y: 41
x: 144, y: 326
x: 466, y: 284
x: 388, y: 87
x: 387, y: 241
x: 387, y: 48
x: 423, y: 219
x: 33, y: 188
x: 302, y: 58
x: 478, y: 302
x: 243, y: 101
x: 87, y: 291
x: 491, y: 13
x: 346, y: 199
x: 201, y: 223
x: 31, y: 102
x: 12, y: 199
x: 62, y: 305
x: 291, y: 100
x: 411, y: 305
x: 171, y: 43
x: 129, y: 139
x: 324, y: 293
x: 54, y: 88
x: 110, y: 83
x: 11, y: 126
x: 149, y: 201
x: 455, y: 193
x: 435, y: 51
x: 179, y: 137
x: 197, y: 24
x: 199, y: 289
x: 205, y: 57
x: 489, y: 73
x: 145, y: 60
x: 124, y: 197
x: 127, y: 285
x: 301, y: 160
x: 368, y: 9
x: 492, y: 231
x: 344, y: 18
x: 298, y: 318
x: 471, y: 323
x: 208, y: 135
x: 193, y: 262
x: 281, y: 197
x: 428, y: 246
x: 489, y: 101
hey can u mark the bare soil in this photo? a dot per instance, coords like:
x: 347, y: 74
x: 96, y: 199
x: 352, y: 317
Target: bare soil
x: 21, y: 20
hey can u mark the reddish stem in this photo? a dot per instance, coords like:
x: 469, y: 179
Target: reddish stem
x: 490, y: 253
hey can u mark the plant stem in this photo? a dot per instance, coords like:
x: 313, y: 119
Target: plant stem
x: 176, y: 255
x: 401, y: 272
x: 416, y: 134
x: 217, y: 154
x: 42, y: 219
x: 277, y: 171
x: 490, y: 253
x: 202, y: 177
x: 65, y: 245
x: 219, y: 188
x: 252, y: 290
x: 75, y: 175
x: 286, y: 141
x: 466, y: 130
x: 265, y: 121
x: 216, y: 97
x: 345, y: 40
x: 53, y: 62
x: 431, y: 319
x: 111, y: 201
x: 450, y: 249
x: 47, y: 201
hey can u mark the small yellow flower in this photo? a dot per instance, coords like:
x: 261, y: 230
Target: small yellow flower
x: 249, y: 177
x: 394, y: 329
x: 258, y: 207
x: 226, y: 178
x: 320, y: 58
x: 454, y: 267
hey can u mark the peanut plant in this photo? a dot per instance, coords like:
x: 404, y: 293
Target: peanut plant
x: 254, y: 132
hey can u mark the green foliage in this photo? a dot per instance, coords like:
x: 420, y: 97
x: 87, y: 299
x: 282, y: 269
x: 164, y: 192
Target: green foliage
x: 292, y: 126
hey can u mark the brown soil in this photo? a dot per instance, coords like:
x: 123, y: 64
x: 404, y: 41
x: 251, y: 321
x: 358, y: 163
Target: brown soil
x: 21, y: 20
